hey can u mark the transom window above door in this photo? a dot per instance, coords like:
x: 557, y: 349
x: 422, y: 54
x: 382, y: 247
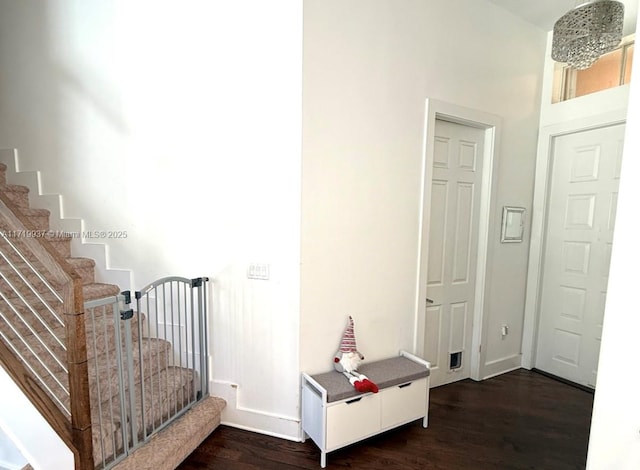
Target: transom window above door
x: 611, y: 70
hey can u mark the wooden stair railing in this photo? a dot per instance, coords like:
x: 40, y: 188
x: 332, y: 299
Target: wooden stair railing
x: 76, y: 430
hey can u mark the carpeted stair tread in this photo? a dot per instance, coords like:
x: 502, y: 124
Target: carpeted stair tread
x: 169, y: 447
x: 16, y: 188
x: 101, y: 335
x: 80, y: 262
x: 98, y: 290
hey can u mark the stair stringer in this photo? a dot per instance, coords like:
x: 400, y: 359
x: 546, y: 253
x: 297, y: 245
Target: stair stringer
x: 54, y: 204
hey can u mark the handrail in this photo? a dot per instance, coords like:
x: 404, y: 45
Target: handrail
x: 75, y: 430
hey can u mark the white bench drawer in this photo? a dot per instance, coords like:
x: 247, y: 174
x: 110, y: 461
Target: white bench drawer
x: 352, y: 420
x: 403, y: 403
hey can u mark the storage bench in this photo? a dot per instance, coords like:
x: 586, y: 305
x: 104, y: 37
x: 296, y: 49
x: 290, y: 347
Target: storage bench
x: 335, y: 415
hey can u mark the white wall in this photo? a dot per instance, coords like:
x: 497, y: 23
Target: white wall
x: 10, y: 456
x: 34, y: 441
x: 369, y: 66
x: 614, y: 442
x: 179, y: 122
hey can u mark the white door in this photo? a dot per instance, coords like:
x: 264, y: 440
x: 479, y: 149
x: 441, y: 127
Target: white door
x: 579, y: 231
x: 453, y: 248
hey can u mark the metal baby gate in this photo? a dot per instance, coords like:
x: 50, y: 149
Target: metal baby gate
x: 147, y: 362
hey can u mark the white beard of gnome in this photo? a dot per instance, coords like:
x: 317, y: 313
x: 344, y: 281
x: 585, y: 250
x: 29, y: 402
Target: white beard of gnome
x: 347, y: 360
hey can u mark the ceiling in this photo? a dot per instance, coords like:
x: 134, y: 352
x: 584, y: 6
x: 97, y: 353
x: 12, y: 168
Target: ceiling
x: 544, y: 13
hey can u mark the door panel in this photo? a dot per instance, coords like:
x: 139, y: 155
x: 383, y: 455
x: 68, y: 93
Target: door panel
x: 437, y: 233
x: 433, y: 329
x: 579, y: 232
x: 453, y: 239
x: 463, y: 233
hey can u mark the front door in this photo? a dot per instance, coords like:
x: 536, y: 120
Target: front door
x: 453, y: 248
x: 581, y: 209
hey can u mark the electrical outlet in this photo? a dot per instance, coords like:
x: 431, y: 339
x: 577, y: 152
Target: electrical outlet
x: 258, y: 271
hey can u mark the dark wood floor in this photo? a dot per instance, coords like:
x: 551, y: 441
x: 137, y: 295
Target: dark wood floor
x: 519, y: 420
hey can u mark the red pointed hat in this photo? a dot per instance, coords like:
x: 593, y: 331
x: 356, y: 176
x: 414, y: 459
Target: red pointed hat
x: 348, y: 342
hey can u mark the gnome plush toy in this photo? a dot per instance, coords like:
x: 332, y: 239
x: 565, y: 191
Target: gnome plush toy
x: 347, y: 360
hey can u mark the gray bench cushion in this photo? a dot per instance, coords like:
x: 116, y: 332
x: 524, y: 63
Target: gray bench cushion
x: 385, y: 373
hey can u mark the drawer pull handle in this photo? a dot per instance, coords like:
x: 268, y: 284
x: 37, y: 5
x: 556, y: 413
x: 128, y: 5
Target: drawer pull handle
x: 404, y: 385
x: 348, y: 402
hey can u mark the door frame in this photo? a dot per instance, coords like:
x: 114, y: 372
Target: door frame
x: 492, y: 125
x: 535, y: 270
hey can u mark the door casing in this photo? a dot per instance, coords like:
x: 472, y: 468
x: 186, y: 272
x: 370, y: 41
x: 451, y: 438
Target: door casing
x: 541, y: 190
x: 492, y: 124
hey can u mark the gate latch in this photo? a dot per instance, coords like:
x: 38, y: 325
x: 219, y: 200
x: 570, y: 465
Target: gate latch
x: 126, y: 314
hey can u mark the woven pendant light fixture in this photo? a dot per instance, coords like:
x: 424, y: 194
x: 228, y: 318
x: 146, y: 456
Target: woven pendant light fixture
x: 588, y: 31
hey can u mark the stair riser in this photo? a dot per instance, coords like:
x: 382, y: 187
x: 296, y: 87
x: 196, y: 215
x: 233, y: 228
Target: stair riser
x: 99, y: 291
x: 62, y: 246
x: 40, y: 224
x: 100, y: 342
x: 85, y: 268
x: 88, y: 275
x: 107, y: 439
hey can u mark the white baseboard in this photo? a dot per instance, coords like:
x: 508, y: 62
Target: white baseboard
x: 262, y: 422
x: 501, y: 366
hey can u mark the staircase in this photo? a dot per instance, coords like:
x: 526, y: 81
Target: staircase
x: 145, y: 406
